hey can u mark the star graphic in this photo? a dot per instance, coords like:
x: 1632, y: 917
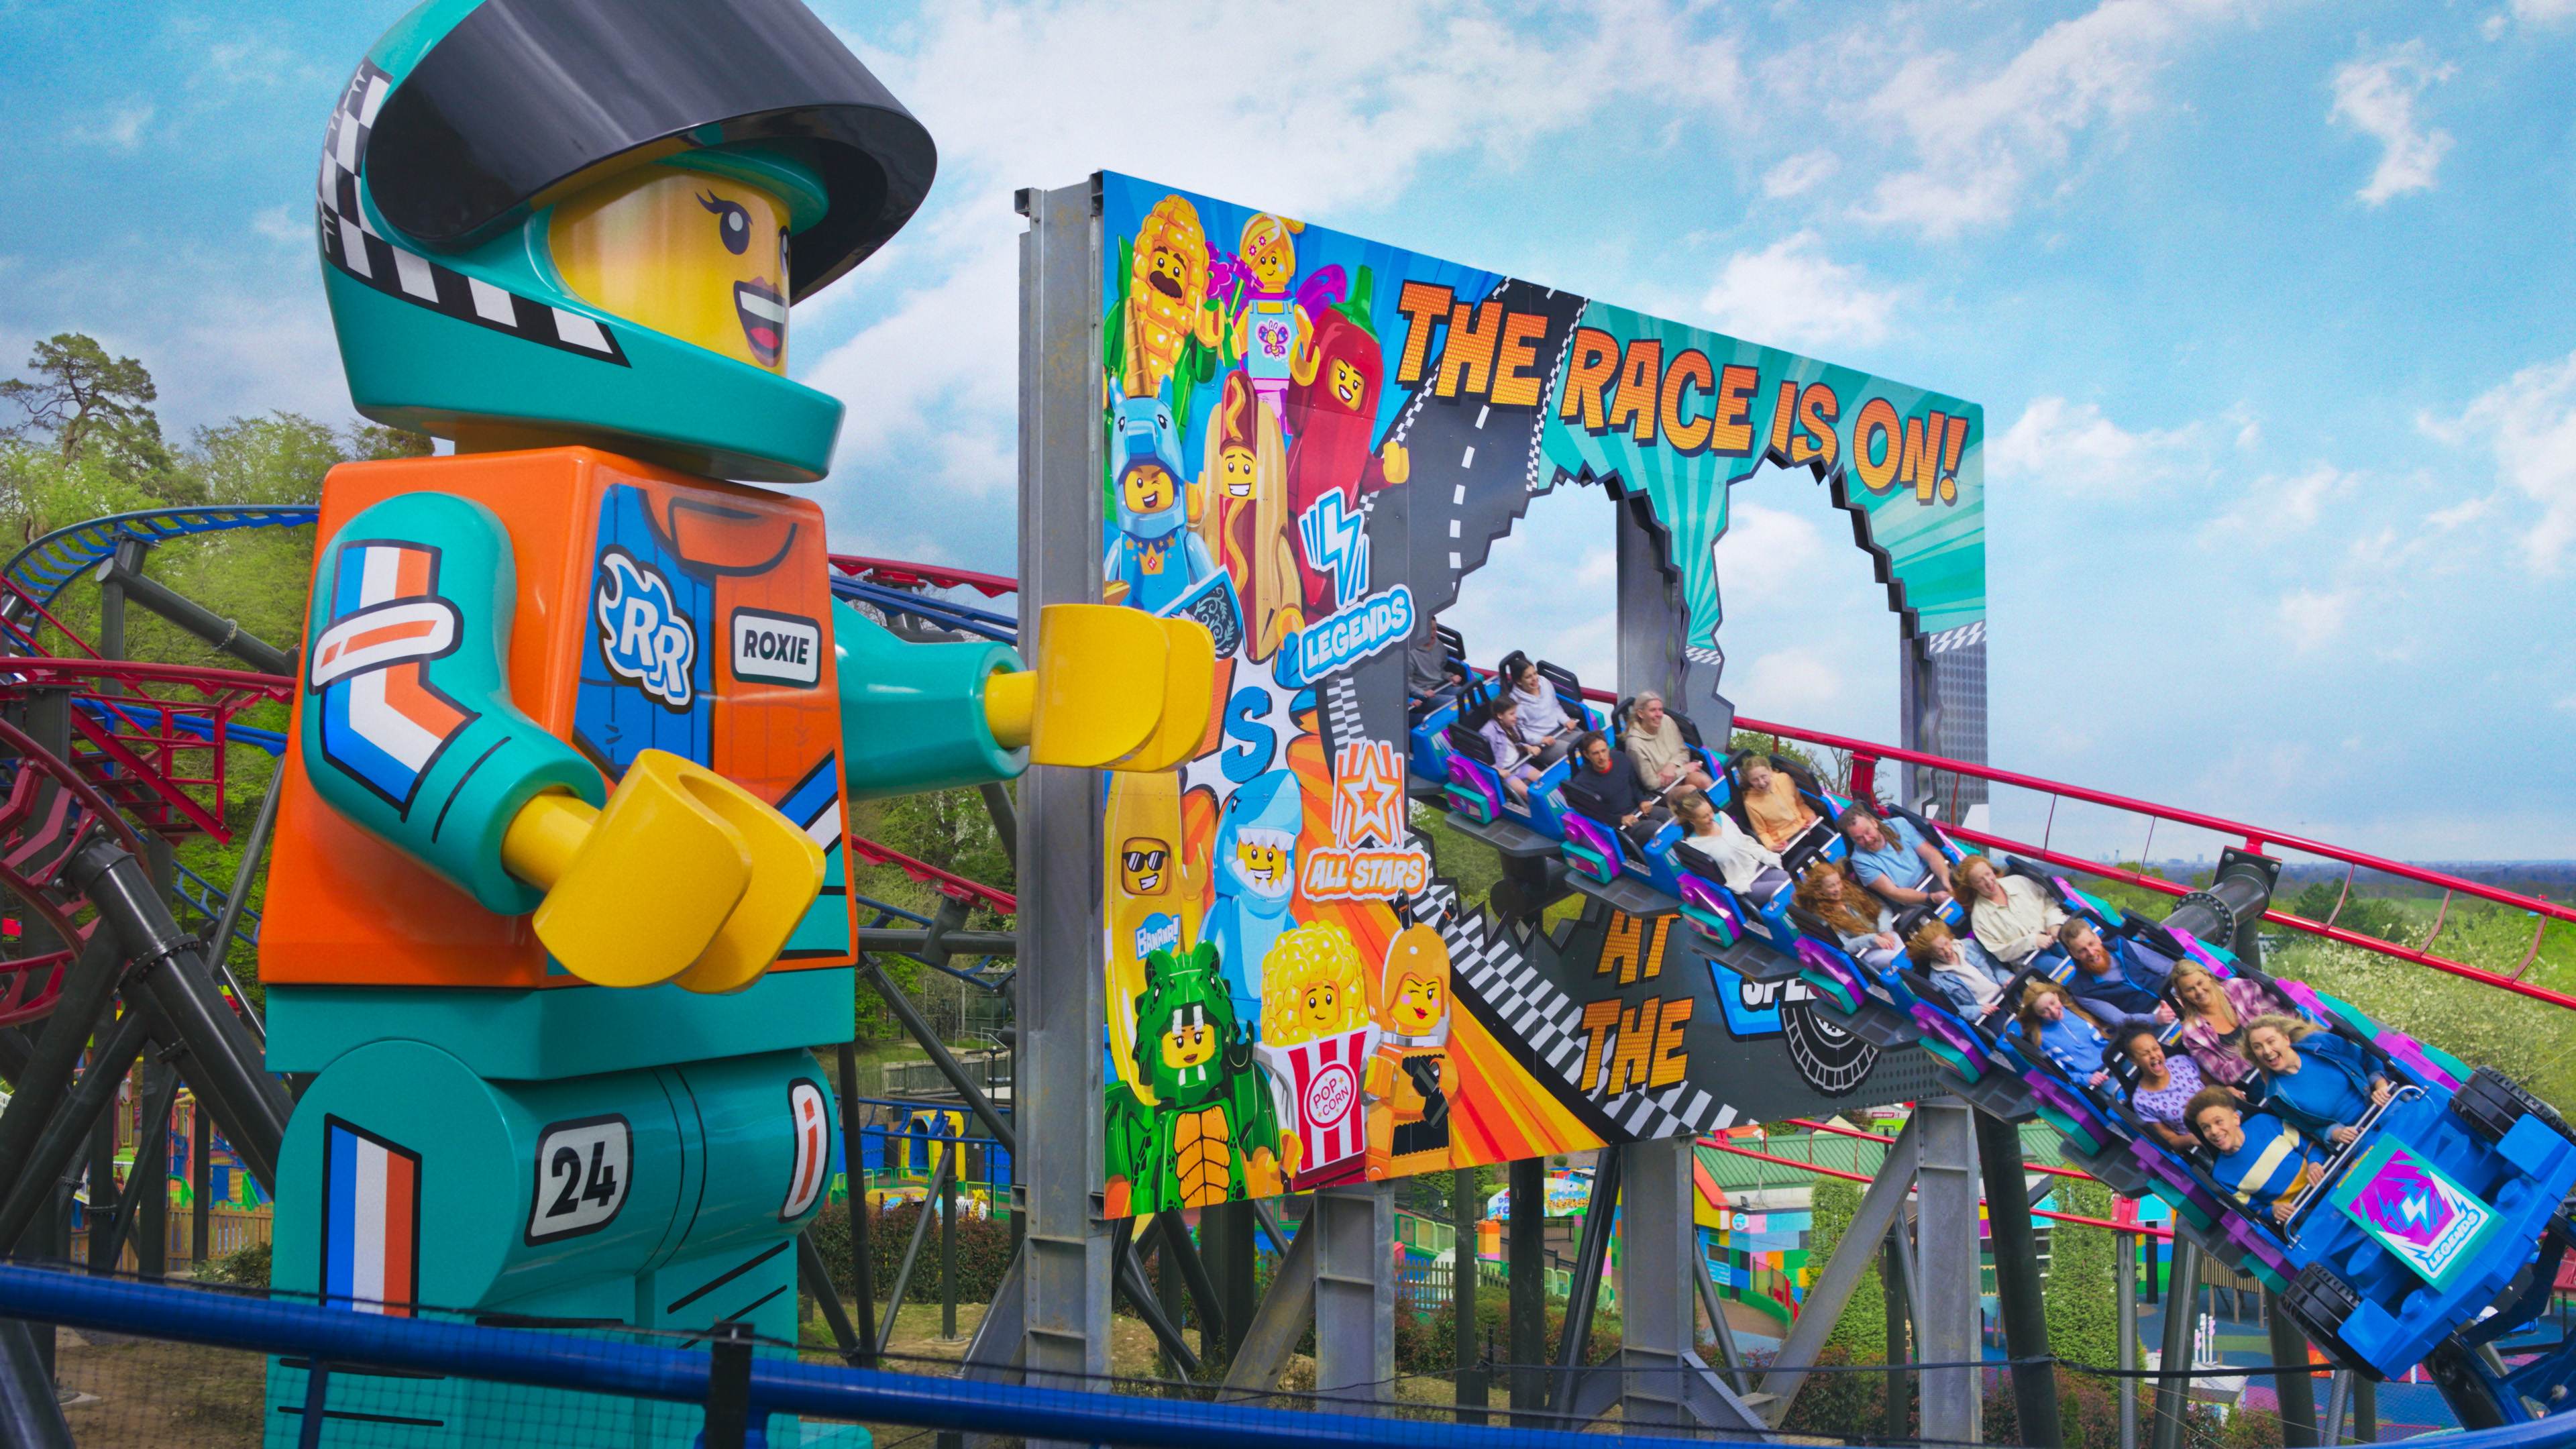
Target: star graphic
x: 1372, y: 792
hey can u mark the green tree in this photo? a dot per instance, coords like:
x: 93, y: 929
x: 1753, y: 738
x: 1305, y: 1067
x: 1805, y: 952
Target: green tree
x: 280, y: 458
x: 373, y: 442
x: 86, y: 401
x: 1861, y: 1331
x: 2082, y: 1306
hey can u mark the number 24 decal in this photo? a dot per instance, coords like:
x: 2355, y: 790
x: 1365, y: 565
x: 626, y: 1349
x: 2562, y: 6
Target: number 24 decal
x: 582, y: 1171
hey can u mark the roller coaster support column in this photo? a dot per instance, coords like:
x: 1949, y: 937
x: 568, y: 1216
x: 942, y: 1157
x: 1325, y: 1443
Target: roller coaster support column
x: 1946, y: 1177
x: 1655, y: 1288
x: 2125, y: 1303
x: 1466, y: 1272
x: 1658, y: 1235
x: 2017, y: 1293
x: 1059, y: 983
x: 1583, y: 1288
x: 1354, y: 1293
x: 2229, y: 910
x: 1526, y: 1262
x: 2182, y: 1306
x: 1891, y: 1280
x: 1879, y: 1209
x: 225, y: 1065
x: 219, y: 632
x: 2296, y: 1388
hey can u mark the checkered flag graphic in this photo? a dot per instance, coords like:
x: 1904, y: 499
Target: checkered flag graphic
x: 1538, y: 1015
x: 352, y: 245
x: 1341, y: 713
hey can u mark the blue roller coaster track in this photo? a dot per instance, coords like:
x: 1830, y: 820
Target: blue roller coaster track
x: 44, y: 568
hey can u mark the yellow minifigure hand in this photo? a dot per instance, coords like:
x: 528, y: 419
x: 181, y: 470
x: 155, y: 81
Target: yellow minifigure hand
x: 683, y: 876
x: 1399, y: 466
x: 1262, y: 1174
x: 1113, y: 689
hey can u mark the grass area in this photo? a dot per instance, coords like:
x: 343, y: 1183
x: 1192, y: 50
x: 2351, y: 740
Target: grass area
x: 1474, y: 867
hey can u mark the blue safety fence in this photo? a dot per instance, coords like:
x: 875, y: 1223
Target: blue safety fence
x: 437, y: 1378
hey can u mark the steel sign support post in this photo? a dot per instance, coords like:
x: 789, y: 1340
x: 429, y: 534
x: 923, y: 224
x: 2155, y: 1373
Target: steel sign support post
x: 1058, y: 989
x: 1946, y: 1180
x: 1354, y: 1293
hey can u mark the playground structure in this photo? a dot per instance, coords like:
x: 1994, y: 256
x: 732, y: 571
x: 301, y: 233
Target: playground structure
x: 552, y: 1079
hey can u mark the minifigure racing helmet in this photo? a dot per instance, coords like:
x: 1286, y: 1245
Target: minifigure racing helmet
x: 582, y: 221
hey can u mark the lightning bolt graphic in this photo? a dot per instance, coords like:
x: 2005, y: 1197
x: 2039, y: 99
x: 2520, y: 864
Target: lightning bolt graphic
x: 1336, y: 544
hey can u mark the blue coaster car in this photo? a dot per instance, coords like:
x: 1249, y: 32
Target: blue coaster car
x: 1476, y: 791
x: 2446, y: 1201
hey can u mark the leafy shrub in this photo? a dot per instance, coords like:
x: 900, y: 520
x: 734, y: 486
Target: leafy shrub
x: 247, y: 1267
x: 2083, y: 1307
x: 983, y: 1252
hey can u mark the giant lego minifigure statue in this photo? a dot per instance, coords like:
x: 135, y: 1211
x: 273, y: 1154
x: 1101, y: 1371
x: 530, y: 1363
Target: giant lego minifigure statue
x: 556, y: 905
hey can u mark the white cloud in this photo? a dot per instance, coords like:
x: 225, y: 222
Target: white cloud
x: 2312, y: 620
x: 1312, y: 110
x: 2072, y: 447
x: 1791, y: 294
x: 1318, y: 112
x: 1766, y: 556
x: 285, y: 224
x: 2529, y: 422
x: 2275, y: 505
x: 1979, y: 142
x: 2531, y: 12
x: 2377, y: 98
x: 1787, y: 685
x: 1800, y: 172
x: 122, y: 129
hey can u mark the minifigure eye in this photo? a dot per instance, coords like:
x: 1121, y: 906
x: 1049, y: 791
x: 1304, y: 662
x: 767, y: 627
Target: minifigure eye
x: 732, y: 222
x: 782, y: 259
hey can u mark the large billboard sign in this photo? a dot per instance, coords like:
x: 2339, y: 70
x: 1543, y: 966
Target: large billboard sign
x: 1311, y: 438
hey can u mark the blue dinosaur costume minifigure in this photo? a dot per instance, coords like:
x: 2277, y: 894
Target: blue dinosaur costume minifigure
x: 557, y: 905
x: 1156, y: 557
x: 1256, y: 878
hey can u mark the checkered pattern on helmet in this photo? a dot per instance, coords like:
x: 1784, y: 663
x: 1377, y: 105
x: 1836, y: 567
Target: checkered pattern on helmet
x: 352, y: 245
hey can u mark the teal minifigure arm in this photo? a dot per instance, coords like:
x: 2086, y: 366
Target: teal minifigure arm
x: 913, y: 715
x: 408, y: 726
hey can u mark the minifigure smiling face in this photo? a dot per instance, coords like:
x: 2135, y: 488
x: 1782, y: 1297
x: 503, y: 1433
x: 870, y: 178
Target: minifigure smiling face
x: 699, y: 257
x: 1263, y: 854
x: 1416, y: 999
x: 1268, y: 251
x: 1416, y: 1006
x: 1188, y: 1041
x: 1148, y: 488
x: 1143, y: 865
x: 1348, y: 385
x: 1234, y: 472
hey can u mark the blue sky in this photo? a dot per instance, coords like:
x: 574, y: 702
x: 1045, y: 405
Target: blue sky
x: 2269, y: 306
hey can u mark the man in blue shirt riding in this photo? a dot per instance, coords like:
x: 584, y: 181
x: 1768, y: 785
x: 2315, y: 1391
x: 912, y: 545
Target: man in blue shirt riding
x: 1892, y: 858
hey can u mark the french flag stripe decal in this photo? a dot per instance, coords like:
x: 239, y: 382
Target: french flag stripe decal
x: 812, y: 1125
x: 371, y: 1222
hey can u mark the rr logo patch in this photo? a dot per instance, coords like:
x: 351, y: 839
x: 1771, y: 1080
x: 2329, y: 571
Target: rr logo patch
x: 647, y: 641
